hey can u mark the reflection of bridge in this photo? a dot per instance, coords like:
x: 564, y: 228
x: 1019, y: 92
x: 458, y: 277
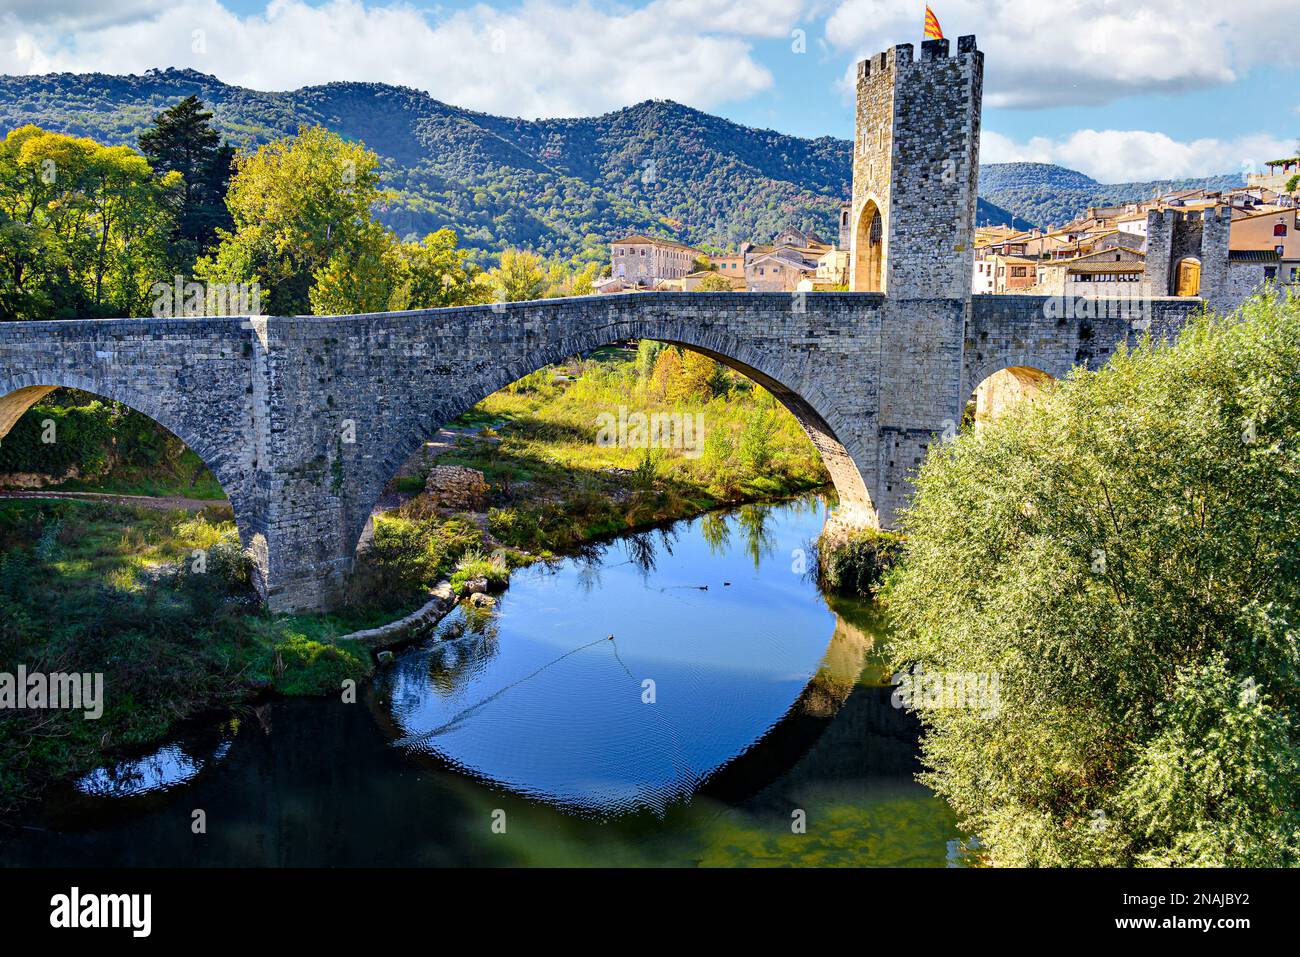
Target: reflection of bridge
x: 304, y: 420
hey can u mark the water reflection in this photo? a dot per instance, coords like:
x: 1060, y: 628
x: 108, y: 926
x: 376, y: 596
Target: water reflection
x: 171, y: 765
x: 627, y: 697
x: 536, y: 712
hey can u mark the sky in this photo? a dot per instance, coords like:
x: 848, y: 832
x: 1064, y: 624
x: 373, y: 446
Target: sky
x: 1119, y: 89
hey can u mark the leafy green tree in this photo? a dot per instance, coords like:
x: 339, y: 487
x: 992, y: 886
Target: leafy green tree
x: 1121, y: 559
x: 182, y: 140
x: 520, y: 277
x: 714, y: 282
x: 85, y: 227
x: 436, y: 272
x: 297, y: 203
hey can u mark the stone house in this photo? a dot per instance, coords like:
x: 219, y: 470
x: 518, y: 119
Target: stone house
x: 645, y: 261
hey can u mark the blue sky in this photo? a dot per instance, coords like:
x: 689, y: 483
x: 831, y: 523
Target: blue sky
x: 1120, y: 89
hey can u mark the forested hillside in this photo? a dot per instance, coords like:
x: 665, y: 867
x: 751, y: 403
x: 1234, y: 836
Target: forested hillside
x: 562, y: 187
x: 1053, y: 195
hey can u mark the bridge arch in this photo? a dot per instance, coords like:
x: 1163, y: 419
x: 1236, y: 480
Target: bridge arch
x: 794, y: 386
x: 998, y: 385
x: 19, y: 393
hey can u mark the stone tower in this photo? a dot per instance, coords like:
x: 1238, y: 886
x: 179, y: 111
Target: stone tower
x: 1187, y: 253
x: 916, y: 171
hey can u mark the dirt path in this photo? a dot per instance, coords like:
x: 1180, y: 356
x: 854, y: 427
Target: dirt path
x: 169, y: 503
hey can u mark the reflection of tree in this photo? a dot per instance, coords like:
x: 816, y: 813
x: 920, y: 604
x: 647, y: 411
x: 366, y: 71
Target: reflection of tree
x: 716, y: 531
x: 587, y: 563
x: 643, y: 552
x: 760, y: 543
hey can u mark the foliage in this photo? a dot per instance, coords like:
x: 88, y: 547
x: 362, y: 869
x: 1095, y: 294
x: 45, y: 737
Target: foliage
x: 411, y: 551
x: 1123, y: 558
x: 563, y: 188
x: 301, y: 206
x: 714, y: 282
x: 521, y: 277
x: 1052, y: 195
x: 84, y: 228
x: 183, y: 141
x: 104, y: 442
x: 555, y: 483
x: 856, y: 563
x: 474, y: 564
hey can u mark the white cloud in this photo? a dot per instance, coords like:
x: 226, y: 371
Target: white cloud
x: 1117, y: 156
x: 1087, y: 52
x: 541, y: 57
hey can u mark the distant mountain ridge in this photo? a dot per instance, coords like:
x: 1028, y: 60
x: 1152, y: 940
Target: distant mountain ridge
x: 563, y: 187
x: 1046, y: 194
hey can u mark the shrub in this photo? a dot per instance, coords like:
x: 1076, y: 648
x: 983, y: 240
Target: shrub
x: 1123, y: 558
x: 855, y: 564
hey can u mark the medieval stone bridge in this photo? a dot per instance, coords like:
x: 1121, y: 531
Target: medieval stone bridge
x: 304, y: 420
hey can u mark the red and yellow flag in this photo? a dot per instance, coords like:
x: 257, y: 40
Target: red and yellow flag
x: 932, y: 29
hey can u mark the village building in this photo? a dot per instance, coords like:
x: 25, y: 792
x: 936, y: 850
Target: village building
x: 645, y: 261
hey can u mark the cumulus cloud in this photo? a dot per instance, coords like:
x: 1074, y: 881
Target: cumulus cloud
x: 1115, y: 156
x: 1086, y: 52
x: 541, y: 57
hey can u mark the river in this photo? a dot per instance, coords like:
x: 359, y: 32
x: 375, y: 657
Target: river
x: 683, y: 696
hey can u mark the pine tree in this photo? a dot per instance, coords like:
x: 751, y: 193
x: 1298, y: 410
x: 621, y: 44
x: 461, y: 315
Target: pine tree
x: 182, y: 140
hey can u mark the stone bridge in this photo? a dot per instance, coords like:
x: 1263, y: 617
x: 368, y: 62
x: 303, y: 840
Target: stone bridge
x: 304, y: 420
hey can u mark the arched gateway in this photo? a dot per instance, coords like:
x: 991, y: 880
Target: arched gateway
x: 303, y: 420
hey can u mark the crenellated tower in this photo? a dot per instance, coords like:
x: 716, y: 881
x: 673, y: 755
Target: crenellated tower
x: 916, y: 171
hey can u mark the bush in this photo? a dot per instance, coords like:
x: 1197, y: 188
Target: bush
x: 83, y: 436
x: 1123, y: 559
x: 854, y: 564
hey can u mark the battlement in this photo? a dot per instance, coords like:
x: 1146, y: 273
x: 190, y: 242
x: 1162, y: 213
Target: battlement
x: 1217, y: 215
x: 903, y: 54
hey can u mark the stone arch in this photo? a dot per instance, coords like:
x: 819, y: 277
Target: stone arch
x: 811, y: 407
x: 869, y: 249
x: 20, y: 393
x: 997, y: 386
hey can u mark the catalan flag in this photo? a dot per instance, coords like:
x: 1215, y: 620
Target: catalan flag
x: 932, y: 29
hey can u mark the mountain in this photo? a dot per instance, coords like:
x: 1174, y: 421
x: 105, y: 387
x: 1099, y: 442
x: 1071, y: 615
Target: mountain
x: 564, y: 187
x: 1048, y: 194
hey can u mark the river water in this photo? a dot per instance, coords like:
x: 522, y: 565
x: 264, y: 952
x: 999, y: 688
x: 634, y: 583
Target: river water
x: 683, y: 696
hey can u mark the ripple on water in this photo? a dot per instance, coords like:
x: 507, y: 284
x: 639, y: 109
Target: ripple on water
x: 537, y: 699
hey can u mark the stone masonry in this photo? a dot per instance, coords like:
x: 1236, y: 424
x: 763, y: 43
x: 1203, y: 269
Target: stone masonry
x: 304, y: 420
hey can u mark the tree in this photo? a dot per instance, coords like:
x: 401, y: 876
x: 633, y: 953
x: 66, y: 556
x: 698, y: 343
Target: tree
x: 521, y: 277
x: 1116, y: 567
x: 714, y: 282
x: 85, y: 227
x: 183, y: 141
x: 377, y: 273
x: 435, y: 272
x: 297, y: 203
